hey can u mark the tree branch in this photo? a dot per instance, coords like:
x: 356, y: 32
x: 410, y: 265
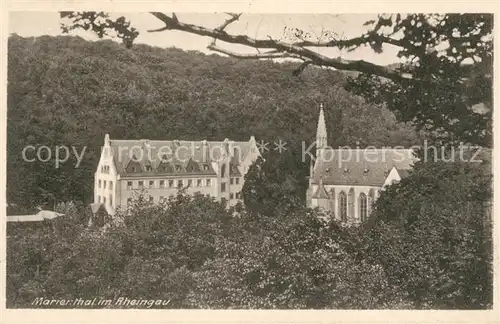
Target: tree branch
x: 296, y: 50
x: 233, y: 18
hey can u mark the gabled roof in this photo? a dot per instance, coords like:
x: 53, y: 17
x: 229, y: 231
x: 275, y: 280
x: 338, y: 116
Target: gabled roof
x: 361, y: 167
x: 183, y: 157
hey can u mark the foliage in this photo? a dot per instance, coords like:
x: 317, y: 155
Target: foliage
x: 429, y: 246
x: 276, y: 183
x: 100, y: 23
x: 292, y: 262
x: 195, y: 253
x: 452, y: 57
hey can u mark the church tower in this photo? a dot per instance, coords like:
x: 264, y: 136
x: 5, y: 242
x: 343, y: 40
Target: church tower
x: 321, y: 144
x: 321, y: 136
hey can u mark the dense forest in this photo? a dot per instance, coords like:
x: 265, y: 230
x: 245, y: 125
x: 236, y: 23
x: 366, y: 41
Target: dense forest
x: 68, y: 91
x: 427, y: 245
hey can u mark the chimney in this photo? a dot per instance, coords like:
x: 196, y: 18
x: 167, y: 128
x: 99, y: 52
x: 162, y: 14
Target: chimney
x: 106, y: 140
x: 226, y: 147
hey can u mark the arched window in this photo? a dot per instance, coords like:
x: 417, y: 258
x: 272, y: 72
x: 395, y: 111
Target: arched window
x: 343, y: 206
x: 223, y: 171
x: 332, y: 201
x: 363, y: 204
x: 350, y: 200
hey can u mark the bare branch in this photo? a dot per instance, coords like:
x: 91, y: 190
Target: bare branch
x: 296, y: 50
x: 157, y: 30
x: 265, y: 55
x: 233, y: 18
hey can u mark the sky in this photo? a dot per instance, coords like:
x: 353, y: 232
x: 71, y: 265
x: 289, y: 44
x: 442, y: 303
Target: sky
x: 253, y: 25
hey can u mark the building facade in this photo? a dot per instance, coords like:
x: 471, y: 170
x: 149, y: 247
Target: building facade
x: 161, y: 168
x: 346, y: 182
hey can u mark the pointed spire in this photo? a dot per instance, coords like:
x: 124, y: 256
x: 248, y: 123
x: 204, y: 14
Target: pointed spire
x: 321, y: 191
x: 321, y: 135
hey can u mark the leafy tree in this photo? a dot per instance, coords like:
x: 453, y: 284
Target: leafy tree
x: 195, y: 253
x: 291, y: 261
x: 432, y: 234
x: 276, y: 183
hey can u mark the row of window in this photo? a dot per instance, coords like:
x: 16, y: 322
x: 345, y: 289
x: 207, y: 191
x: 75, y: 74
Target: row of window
x: 163, y: 167
x: 105, y: 168
x: 363, y: 207
x: 102, y: 184
x: 236, y: 195
x: 172, y: 183
x: 162, y: 198
x: 103, y: 199
x: 151, y: 199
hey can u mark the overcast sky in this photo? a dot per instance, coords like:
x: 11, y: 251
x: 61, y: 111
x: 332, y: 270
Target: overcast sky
x: 254, y: 25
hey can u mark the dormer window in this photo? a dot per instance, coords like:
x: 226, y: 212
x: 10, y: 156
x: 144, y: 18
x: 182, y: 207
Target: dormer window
x: 149, y: 168
x: 327, y: 170
x: 177, y: 168
x: 205, y: 167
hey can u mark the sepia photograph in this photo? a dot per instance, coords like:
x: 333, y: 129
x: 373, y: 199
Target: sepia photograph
x: 244, y: 161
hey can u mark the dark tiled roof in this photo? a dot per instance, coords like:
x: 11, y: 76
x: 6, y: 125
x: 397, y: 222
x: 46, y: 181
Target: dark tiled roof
x: 361, y: 167
x: 151, y: 158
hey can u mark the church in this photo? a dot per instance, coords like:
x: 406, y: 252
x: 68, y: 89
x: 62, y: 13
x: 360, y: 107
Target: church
x: 346, y: 181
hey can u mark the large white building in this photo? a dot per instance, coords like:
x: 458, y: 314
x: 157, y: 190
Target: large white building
x: 161, y: 168
x: 347, y: 181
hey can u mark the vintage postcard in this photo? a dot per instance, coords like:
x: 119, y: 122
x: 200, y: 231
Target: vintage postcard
x: 248, y: 163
